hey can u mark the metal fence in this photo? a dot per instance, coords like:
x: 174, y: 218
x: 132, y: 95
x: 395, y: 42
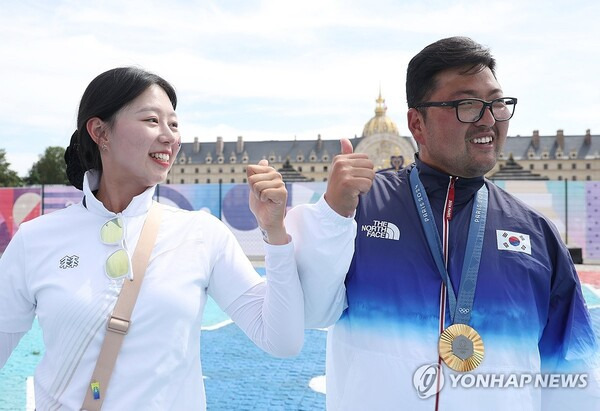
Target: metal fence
x: 573, y: 206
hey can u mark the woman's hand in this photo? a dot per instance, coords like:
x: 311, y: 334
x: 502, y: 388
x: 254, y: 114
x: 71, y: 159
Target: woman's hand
x: 268, y: 199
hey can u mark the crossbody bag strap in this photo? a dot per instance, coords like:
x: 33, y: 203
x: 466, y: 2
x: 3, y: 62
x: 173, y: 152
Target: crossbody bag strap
x: 119, y: 321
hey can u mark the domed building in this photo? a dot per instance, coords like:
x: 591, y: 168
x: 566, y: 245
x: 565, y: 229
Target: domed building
x: 305, y: 160
x: 383, y: 143
x: 380, y: 124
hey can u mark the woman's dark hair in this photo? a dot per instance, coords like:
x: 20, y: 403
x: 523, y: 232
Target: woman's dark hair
x: 452, y: 52
x: 103, y: 98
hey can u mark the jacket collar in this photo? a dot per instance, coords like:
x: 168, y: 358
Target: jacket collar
x: 436, y: 183
x: 139, y: 205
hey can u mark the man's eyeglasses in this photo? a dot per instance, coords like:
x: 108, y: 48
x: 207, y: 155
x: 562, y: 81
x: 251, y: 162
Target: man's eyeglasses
x: 470, y: 110
x: 118, y: 264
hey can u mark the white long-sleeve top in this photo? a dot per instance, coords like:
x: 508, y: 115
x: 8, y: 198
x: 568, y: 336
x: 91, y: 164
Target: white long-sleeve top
x: 54, y: 268
x: 324, y: 242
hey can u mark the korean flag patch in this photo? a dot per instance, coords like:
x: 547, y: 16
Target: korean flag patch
x: 512, y: 241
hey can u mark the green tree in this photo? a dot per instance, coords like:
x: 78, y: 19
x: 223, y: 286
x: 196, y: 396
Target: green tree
x: 50, y: 168
x: 8, y: 177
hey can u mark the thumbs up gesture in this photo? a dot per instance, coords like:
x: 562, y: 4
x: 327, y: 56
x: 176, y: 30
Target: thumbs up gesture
x: 351, y: 174
x: 268, y: 198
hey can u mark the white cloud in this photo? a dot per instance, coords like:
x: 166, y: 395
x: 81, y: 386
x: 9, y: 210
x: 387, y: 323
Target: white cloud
x: 21, y: 162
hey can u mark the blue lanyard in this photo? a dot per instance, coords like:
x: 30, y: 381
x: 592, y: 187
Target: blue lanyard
x: 460, y: 310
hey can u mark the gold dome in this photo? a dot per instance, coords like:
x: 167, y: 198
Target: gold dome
x: 380, y: 124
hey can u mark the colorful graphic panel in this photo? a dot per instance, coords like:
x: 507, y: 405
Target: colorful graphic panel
x: 573, y: 207
x: 57, y: 197
x: 17, y: 205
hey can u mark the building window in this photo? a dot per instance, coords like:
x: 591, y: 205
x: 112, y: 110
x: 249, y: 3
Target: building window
x: 208, y: 160
x: 531, y: 166
x: 574, y: 166
x: 196, y: 181
x: 220, y: 160
x: 313, y: 158
x: 574, y: 178
x: 559, y: 178
x: 588, y: 178
x: 182, y: 182
x: 244, y: 159
x: 244, y: 170
x: 220, y: 170
x: 300, y: 168
x: 588, y: 166
x: 182, y: 170
x: 324, y: 178
x: 233, y: 180
x: 208, y: 170
x: 169, y: 181
x: 312, y: 169
x: 197, y: 171
x: 559, y: 166
x: 220, y: 181
x: 545, y: 166
x: 324, y: 168
x: 208, y: 180
x: 233, y: 169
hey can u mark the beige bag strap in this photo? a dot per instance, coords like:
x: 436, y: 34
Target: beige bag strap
x: 119, y: 321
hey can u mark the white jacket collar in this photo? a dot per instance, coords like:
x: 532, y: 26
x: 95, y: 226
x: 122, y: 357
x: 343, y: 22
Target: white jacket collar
x: 139, y: 205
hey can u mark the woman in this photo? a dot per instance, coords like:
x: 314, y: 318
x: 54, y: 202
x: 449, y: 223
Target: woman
x: 61, y: 267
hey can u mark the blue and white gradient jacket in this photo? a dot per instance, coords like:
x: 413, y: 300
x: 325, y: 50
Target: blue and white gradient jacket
x: 382, y: 293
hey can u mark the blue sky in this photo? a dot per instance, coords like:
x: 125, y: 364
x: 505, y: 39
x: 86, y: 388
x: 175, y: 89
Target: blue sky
x: 283, y: 69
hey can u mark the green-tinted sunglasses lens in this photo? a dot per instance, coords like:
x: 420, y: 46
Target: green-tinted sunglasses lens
x: 112, y: 231
x: 117, y: 265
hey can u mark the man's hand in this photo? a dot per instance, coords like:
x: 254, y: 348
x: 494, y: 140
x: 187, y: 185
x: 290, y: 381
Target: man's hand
x: 268, y: 199
x: 351, y: 174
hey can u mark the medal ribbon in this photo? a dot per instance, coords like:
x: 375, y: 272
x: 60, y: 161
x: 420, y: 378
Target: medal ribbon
x: 460, y: 309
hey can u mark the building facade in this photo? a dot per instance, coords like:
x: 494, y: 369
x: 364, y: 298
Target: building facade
x: 559, y: 157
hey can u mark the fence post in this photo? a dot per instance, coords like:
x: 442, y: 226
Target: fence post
x: 42, y: 207
x: 566, y: 211
x: 220, y: 199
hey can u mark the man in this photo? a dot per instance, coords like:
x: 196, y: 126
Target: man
x: 441, y: 266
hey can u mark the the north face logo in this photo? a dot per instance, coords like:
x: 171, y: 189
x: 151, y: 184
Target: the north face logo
x: 69, y: 261
x: 382, y: 229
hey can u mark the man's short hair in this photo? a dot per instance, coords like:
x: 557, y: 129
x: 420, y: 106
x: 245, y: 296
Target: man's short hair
x: 448, y: 53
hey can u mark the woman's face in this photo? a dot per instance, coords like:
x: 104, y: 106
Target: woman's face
x: 142, y: 142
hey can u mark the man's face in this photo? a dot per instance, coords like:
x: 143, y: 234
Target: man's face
x: 459, y: 149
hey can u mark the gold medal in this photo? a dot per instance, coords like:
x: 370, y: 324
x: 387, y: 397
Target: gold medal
x: 461, y: 347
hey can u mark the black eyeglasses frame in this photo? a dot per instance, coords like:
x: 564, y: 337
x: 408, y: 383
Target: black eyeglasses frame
x: 455, y: 103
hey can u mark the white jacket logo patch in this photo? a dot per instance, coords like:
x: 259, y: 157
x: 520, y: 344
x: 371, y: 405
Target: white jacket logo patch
x: 382, y: 229
x: 512, y: 241
x: 68, y: 261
